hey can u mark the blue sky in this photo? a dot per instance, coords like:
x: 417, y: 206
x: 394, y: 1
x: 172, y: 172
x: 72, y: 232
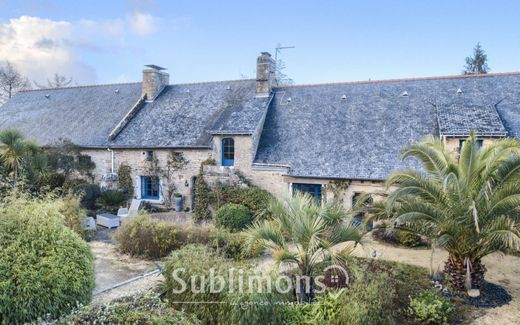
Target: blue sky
x: 110, y: 41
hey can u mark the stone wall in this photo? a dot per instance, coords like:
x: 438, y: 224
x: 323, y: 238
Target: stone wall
x: 452, y: 144
x: 270, y: 180
x: 140, y: 166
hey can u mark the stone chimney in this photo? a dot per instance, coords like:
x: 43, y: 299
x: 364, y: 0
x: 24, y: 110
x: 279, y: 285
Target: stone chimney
x: 154, y: 81
x: 265, y: 74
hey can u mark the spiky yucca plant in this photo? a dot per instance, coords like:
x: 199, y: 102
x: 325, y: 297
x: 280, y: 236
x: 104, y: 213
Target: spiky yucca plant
x: 303, y: 234
x: 469, y: 206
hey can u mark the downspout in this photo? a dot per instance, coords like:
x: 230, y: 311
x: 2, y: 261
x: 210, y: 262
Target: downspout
x: 112, y: 164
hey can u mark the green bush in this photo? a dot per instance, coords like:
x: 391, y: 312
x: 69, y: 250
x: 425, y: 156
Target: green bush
x: 111, y: 200
x: 73, y: 214
x: 408, y: 238
x: 233, y: 217
x: 143, y: 236
x: 430, y: 308
x: 201, y: 211
x: 45, y: 268
x: 51, y: 181
x: 254, y: 198
x: 71, y: 183
x: 141, y: 308
x: 378, y: 293
x: 125, y: 180
x: 89, y: 194
x: 227, y: 307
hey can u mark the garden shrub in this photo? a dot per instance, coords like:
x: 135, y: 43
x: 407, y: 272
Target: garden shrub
x: 45, y: 268
x: 143, y: 236
x: 228, y: 307
x: 111, y: 200
x: 378, y: 293
x: 201, y: 211
x: 233, y: 217
x: 149, y: 238
x: 51, y: 181
x: 125, y: 180
x: 71, y: 183
x: 430, y: 308
x: 196, y: 260
x: 89, y: 194
x: 73, y: 214
x: 389, y: 234
x: 254, y: 198
x: 408, y: 238
x: 141, y: 308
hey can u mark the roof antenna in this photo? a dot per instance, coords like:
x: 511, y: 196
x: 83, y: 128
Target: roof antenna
x: 278, y: 48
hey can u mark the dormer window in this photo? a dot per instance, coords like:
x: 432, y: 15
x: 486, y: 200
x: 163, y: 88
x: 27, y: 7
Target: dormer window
x: 228, y: 152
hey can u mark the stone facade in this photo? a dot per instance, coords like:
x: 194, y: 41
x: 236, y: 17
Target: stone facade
x: 183, y: 180
x: 452, y: 144
x: 270, y: 178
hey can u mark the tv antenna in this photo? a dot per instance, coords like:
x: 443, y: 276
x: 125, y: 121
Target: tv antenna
x: 278, y: 49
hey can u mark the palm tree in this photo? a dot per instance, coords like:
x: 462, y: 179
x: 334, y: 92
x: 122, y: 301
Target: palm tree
x: 304, y: 234
x: 13, y: 150
x: 19, y: 155
x: 469, y: 206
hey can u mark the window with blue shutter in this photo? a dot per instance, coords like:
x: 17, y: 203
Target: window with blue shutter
x: 313, y: 190
x: 228, y: 152
x: 150, y: 187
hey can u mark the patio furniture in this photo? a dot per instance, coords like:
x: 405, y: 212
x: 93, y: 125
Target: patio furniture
x: 89, y: 223
x: 108, y: 220
x: 132, y: 211
x: 122, y: 213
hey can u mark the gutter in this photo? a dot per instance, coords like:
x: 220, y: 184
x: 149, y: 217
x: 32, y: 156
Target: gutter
x: 112, y: 164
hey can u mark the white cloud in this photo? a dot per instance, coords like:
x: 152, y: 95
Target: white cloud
x: 142, y: 23
x: 40, y: 47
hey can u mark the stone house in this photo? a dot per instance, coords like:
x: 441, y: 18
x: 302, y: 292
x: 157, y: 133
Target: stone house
x: 328, y: 140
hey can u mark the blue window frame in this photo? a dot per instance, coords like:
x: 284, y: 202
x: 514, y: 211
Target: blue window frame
x: 314, y: 190
x: 150, y: 187
x: 228, y: 152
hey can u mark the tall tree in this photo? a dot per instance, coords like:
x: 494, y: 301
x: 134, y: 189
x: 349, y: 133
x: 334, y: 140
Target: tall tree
x: 469, y: 206
x: 11, y: 81
x: 476, y: 64
x: 58, y: 81
x: 281, y: 78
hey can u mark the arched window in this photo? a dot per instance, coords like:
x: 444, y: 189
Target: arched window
x: 228, y: 152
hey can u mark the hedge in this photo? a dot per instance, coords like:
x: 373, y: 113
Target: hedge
x: 45, y: 267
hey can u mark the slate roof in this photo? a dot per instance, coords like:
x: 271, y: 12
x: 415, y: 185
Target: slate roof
x: 84, y: 115
x: 185, y: 115
x: 457, y: 119
x: 319, y: 134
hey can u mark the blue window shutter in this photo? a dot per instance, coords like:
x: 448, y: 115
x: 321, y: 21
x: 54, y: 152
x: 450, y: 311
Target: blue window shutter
x: 228, y: 151
x: 138, y: 189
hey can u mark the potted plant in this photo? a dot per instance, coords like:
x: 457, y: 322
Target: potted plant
x: 178, y: 201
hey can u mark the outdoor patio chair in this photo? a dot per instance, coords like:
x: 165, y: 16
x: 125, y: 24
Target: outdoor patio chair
x: 132, y: 211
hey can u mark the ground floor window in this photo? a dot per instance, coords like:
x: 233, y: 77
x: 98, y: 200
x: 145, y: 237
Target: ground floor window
x: 150, y: 187
x: 314, y: 190
x: 479, y: 144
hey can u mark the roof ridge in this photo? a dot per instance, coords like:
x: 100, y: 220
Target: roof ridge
x: 81, y: 86
x: 132, y: 83
x: 404, y: 79
x: 209, y: 82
